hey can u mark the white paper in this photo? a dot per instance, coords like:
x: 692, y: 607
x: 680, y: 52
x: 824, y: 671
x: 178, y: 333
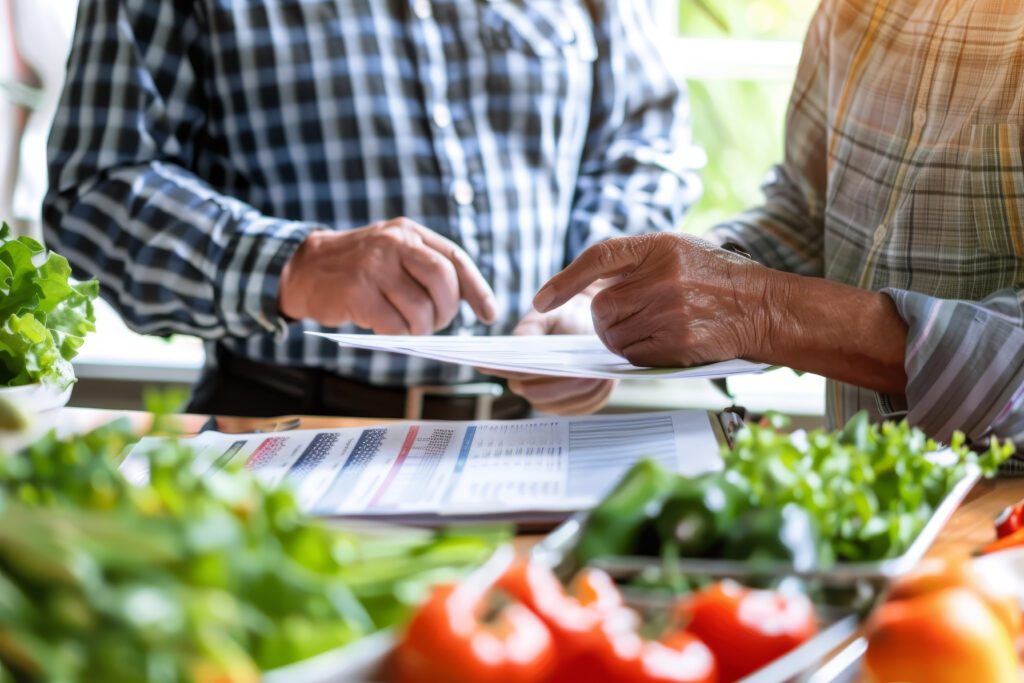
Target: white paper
x: 555, y: 355
x: 484, y: 468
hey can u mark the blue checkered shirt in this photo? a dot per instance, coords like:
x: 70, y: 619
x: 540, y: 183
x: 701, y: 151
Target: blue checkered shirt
x: 198, y: 143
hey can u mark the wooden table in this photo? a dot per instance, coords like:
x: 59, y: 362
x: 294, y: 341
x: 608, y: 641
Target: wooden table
x: 970, y: 528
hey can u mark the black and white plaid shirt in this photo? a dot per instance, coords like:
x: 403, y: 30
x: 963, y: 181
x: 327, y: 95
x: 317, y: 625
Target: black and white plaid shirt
x: 198, y: 143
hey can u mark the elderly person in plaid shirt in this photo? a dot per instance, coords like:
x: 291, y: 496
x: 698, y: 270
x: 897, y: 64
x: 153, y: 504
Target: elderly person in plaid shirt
x: 889, y: 254
x: 248, y: 171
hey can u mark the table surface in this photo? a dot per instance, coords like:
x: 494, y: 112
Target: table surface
x: 970, y: 528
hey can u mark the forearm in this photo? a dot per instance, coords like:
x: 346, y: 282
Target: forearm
x: 184, y: 259
x: 844, y: 333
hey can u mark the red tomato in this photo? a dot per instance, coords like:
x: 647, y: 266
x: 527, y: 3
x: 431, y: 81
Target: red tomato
x: 746, y: 629
x: 595, y: 588
x: 679, y: 658
x: 447, y: 643
x: 596, y: 636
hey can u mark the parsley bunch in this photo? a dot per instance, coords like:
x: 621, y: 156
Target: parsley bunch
x: 870, y: 488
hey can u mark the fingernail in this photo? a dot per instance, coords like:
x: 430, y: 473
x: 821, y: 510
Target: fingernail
x: 542, y: 301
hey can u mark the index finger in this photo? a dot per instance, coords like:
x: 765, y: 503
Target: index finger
x: 603, y: 260
x: 472, y: 285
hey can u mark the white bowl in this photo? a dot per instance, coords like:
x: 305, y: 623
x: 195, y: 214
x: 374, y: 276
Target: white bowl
x: 41, y: 405
x: 37, y: 398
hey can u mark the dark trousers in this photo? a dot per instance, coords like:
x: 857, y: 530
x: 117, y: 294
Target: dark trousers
x: 241, y: 387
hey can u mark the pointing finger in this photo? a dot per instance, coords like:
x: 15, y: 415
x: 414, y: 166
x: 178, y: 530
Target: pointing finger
x: 472, y: 285
x: 437, y: 275
x: 603, y: 260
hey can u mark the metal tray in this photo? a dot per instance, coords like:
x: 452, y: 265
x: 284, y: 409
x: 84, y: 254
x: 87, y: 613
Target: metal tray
x: 558, y: 544
x: 834, y: 654
x: 804, y: 664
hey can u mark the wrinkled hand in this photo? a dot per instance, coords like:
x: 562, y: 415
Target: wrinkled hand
x: 559, y: 395
x: 393, y: 277
x: 680, y: 301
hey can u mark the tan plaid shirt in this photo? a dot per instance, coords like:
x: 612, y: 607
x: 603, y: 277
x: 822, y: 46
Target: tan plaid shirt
x: 903, y: 173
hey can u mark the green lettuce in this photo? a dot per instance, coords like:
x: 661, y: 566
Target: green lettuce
x: 44, y: 317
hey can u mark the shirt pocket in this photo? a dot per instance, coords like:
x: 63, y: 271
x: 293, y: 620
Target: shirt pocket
x: 545, y: 29
x: 997, y: 187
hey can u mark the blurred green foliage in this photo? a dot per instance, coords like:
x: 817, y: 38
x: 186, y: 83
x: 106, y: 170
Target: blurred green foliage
x: 739, y: 121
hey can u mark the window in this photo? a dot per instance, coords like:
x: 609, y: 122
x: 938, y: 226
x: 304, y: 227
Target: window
x: 739, y: 58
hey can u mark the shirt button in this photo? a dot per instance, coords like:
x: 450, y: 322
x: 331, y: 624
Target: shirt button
x: 566, y: 33
x: 462, y: 193
x: 442, y: 115
x: 880, y: 233
x: 422, y: 9
x: 920, y: 117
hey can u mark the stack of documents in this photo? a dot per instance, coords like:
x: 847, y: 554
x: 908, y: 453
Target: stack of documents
x: 536, y: 470
x: 554, y: 355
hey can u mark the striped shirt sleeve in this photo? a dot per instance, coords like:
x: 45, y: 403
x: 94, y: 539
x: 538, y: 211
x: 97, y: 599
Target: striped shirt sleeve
x: 173, y: 255
x: 965, y: 364
x: 787, y: 232
x: 637, y: 173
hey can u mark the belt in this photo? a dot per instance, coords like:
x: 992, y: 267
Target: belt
x: 241, y: 386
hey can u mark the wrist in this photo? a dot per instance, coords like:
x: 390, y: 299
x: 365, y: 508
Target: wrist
x: 770, y: 303
x: 291, y: 304
x: 761, y: 297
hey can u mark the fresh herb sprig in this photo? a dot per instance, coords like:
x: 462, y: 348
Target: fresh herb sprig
x: 869, y: 487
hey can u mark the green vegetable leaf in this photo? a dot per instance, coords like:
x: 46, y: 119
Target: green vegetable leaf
x: 44, y: 316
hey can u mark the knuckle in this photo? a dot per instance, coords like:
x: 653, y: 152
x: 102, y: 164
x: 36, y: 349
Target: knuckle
x: 391, y: 236
x: 604, y: 254
x: 638, y: 247
x: 456, y: 255
x: 434, y: 261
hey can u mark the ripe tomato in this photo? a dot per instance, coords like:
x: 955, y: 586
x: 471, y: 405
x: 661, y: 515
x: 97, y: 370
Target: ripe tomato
x: 934, y: 574
x: 746, y: 629
x: 944, y: 636
x: 446, y: 642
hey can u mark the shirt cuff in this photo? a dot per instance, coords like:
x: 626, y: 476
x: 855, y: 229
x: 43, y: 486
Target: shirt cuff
x: 250, y: 282
x: 964, y: 363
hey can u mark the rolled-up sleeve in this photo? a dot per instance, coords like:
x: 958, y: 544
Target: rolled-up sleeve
x: 172, y: 254
x: 965, y: 364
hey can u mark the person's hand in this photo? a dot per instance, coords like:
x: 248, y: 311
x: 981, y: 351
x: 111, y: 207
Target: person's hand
x: 559, y: 395
x: 393, y: 277
x: 680, y: 301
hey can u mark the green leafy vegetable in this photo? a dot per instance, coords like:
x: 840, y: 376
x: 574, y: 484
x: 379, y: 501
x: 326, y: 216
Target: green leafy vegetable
x: 44, y: 317
x: 189, y: 577
x: 860, y: 494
